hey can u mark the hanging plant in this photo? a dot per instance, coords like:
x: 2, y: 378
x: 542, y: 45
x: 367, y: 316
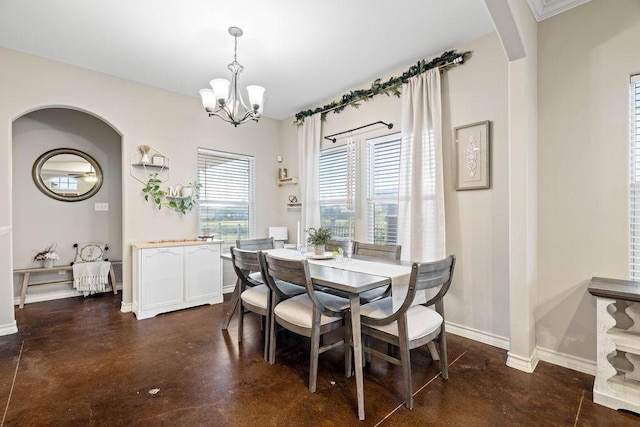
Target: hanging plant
x: 390, y: 88
x: 183, y: 203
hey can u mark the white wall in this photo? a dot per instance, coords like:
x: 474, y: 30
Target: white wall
x: 585, y: 58
x: 477, y: 225
x: 173, y: 124
x: 38, y: 220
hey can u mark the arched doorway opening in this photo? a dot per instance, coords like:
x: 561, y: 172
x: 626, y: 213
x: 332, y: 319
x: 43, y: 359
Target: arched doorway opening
x: 39, y: 221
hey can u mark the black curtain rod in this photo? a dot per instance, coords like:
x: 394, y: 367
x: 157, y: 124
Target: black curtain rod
x: 332, y: 139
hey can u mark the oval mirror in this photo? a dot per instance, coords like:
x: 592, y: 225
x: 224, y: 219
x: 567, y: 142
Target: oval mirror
x: 67, y: 174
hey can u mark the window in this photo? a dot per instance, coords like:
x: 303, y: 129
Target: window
x: 226, y: 203
x: 375, y: 167
x: 63, y: 183
x: 336, y: 202
x: 634, y: 178
x: 383, y: 170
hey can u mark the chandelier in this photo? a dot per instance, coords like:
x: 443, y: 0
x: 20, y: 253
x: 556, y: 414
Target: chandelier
x: 224, y: 99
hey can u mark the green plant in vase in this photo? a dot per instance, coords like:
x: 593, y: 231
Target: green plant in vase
x: 183, y: 203
x: 318, y: 238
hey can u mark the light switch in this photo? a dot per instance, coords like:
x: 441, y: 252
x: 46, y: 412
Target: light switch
x: 101, y: 206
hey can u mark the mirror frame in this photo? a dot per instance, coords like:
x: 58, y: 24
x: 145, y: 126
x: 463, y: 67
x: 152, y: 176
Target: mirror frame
x: 37, y: 178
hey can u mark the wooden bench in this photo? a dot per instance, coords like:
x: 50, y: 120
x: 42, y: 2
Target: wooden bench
x: 28, y: 271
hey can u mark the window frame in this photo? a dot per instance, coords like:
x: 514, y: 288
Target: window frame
x: 634, y: 177
x: 205, y: 154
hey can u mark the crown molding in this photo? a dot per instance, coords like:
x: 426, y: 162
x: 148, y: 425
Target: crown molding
x: 543, y: 9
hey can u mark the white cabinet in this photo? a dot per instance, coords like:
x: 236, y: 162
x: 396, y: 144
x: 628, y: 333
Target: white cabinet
x: 617, y: 382
x: 173, y: 276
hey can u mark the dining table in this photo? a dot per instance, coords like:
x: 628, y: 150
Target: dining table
x: 352, y: 276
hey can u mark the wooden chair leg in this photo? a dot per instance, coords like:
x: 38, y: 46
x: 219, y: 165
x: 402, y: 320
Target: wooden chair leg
x: 405, y: 360
x: 444, y: 362
x: 315, y: 350
x: 265, y: 321
x: 240, y: 320
x: 272, y: 334
x: 348, y: 357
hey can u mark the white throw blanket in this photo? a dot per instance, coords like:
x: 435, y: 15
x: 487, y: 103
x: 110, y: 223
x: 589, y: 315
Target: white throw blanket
x: 91, y: 277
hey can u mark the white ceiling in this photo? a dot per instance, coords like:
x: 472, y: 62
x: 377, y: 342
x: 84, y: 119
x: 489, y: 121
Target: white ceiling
x: 303, y: 52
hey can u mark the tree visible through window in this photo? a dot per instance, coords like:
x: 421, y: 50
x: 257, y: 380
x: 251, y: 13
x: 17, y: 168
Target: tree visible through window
x: 376, y: 168
x: 332, y: 184
x: 226, y: 202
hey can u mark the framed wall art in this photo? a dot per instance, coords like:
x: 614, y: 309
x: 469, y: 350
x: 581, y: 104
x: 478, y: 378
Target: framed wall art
x: 471, y: 144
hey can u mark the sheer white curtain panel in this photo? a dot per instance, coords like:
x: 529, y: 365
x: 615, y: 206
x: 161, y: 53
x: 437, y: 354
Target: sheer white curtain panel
x: 309, y: 140
x: 421, y: 219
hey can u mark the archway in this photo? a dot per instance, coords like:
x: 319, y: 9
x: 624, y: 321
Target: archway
x: 39, y: 221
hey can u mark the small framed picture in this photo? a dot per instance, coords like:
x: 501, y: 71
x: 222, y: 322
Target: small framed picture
x: 158, y: 160
x: 472, y: 156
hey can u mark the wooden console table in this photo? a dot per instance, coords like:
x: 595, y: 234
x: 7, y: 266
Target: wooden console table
x: 27, y: 272
x: 617, y: 382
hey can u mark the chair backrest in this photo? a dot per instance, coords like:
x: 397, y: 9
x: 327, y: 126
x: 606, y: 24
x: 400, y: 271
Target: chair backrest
x: 380, y: 251
x: 255, y: 244
x: 428, y: 275
x: 333, y: 245
x: 245, y: 262
x: 286, y: 270
x: 424, y: 275
x: 292, y: 271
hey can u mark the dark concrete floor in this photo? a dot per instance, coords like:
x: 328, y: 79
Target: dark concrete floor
x: 80, y: 361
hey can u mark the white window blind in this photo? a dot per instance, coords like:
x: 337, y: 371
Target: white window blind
x: 634, y: 178
x: 334, y: 190
x: 383, y: 170
x: 226, y: 202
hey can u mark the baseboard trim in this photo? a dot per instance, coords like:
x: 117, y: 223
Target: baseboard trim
x: 126, y: 307
x: 477, y: 335
x: 568, y: 361
x: 50, y: 296
x: 8, y: 329
x: 524, y: 364
x: 228, y: 289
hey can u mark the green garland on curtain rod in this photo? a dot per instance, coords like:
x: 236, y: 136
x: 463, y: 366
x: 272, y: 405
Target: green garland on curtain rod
x: 390, y: 87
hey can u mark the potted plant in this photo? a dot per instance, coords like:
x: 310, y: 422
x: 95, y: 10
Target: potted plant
x: 318, y: 238
x: 47, y: 256
x: 183, y: 202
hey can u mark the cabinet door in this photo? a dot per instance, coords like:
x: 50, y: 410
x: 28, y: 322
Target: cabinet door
x: 162, y: 277
x: 202, y: 273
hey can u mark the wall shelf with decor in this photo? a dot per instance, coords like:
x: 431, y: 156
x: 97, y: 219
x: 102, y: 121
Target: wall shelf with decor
x: 288, y: 180
x: 149, y: 161
x: 294, y: 205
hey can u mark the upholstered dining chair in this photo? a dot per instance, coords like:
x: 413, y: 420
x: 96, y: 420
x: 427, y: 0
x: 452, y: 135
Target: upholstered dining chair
x: 378, y: 251
x: 334, y: 245
x: 411, y: 326
x: 261, y: 244
x: 311, y: 314
x: 255, y: 244
x: 254, y: 296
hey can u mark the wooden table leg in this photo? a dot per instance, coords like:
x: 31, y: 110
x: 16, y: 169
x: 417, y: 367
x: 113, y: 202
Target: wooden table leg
x: 23, y: 292
x: 357, y: 352
x: 235, y: 299
x: 112, y: 276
